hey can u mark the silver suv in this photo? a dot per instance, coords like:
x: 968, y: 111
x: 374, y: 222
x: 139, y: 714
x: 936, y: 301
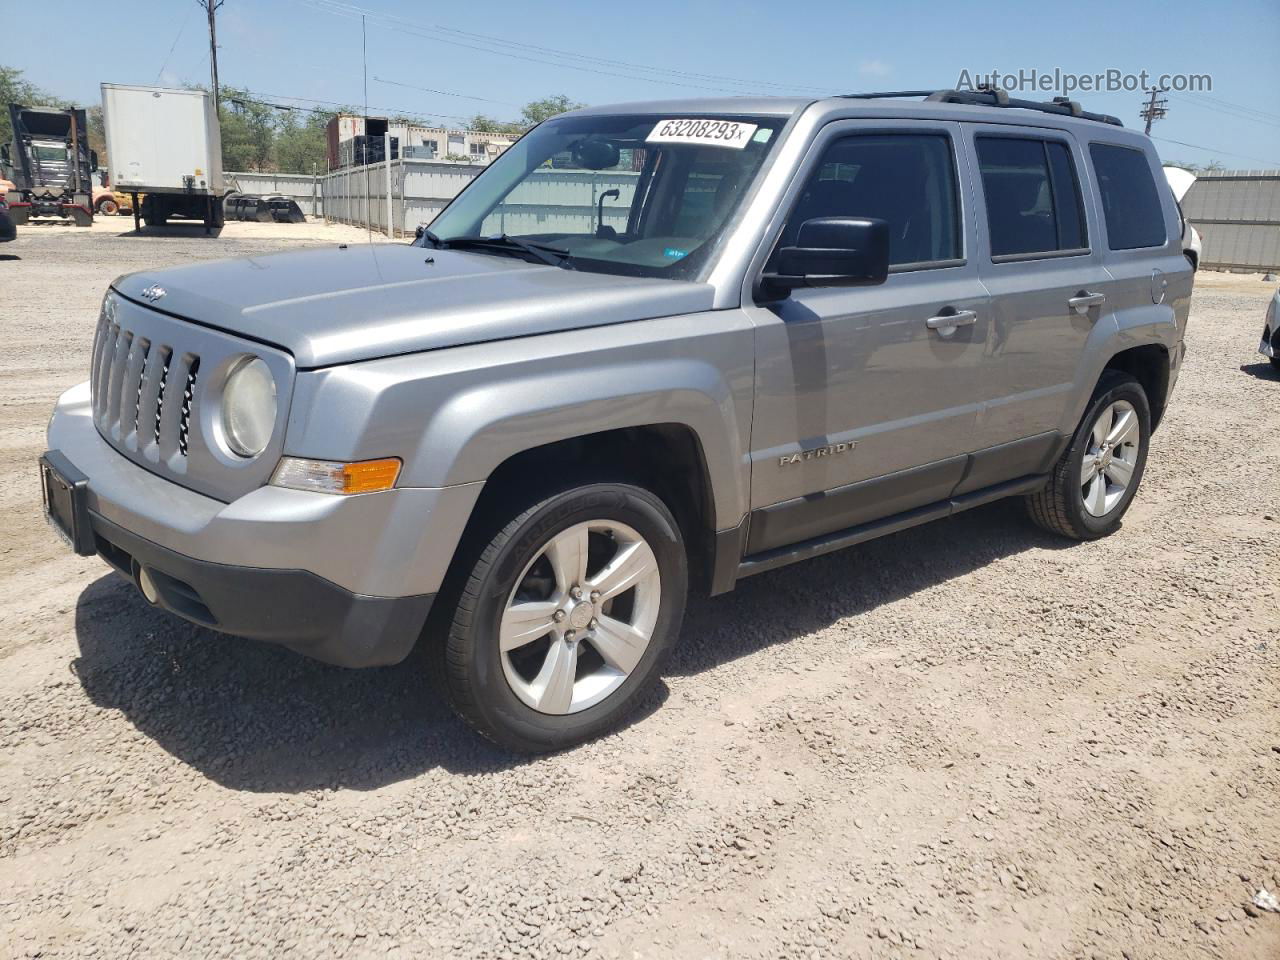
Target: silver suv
x: 653, y: 347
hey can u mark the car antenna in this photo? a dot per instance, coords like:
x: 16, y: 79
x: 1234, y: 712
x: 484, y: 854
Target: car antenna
x: 368, y: 189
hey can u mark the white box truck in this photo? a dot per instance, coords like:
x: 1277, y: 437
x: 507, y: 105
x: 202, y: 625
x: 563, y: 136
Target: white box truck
x: 166, y: 144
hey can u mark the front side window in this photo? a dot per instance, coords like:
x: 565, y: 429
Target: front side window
x: 635, y: 195
x: 1032, y: 195
x: 1130, y: 201
x: 907, y: 180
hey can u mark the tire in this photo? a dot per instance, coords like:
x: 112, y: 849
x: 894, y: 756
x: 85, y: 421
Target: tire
x: 1275, y: 362
x: 154, y: 213
x: 1061, y: 506
x: 108, y: 207
x: 512, y: 697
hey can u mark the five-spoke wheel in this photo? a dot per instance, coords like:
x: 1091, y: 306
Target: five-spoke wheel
x: 1097, y: 475
x: 1109, y: 459
x: 580, y: 617
x: 565, y: 616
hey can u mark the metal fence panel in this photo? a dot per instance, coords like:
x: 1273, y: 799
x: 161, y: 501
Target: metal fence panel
x: 1237, y: 213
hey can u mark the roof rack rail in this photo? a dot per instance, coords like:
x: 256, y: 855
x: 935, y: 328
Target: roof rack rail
x: 991, y: 98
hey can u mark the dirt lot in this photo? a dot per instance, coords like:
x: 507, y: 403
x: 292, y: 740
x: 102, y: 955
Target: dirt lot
x: 968, y: 740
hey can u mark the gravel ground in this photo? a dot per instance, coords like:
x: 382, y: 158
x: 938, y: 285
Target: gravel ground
x: 966, y: 740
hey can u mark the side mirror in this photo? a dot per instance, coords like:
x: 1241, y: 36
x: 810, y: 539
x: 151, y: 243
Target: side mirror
x: 93, y: 161
x: 4, y: 154
x: 831, y: 252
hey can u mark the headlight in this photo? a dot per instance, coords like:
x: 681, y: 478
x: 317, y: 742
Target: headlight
x: 249, y: 407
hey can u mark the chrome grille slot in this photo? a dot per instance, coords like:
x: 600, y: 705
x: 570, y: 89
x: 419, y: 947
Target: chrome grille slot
x: 115, y: 382
x: 142, y: 379
x: 188, y: 398
x: 166, y: 356
x: 169, y: 410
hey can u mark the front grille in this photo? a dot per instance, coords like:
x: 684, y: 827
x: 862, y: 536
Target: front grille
x: 143, y: 392
x: 151, y: 379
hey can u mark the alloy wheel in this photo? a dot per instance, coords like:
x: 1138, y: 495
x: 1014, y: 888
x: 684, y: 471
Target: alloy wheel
x: 580, y: 617
x: 1110, y: 458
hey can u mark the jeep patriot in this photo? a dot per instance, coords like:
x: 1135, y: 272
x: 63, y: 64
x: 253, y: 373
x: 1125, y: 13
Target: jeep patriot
x: 652, y: 348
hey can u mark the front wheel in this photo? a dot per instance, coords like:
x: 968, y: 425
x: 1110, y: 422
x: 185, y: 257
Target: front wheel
x: 1096, y: 478
x: 567, y: 617
x: 108, y: 207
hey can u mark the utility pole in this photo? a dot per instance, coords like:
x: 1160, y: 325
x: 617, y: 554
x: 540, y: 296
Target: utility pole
x: 211, y: 8
x: 1154, y: 109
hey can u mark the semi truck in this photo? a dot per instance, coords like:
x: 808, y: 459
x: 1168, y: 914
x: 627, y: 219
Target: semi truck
x: 165, y: 143
x: 49, y: 164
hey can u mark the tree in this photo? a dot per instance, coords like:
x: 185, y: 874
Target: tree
x: 248, y: 131
x: 484, y: 124
x: 535, y: 111
x: 300, y: 145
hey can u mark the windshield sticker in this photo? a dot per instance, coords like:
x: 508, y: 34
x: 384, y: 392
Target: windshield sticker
x: 709, y: 133
x: 674, y: 254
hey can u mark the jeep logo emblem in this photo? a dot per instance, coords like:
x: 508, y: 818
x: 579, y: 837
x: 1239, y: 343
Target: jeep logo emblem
x: 153, y: 293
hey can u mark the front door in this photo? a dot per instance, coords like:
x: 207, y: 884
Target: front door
x: 866, y: 398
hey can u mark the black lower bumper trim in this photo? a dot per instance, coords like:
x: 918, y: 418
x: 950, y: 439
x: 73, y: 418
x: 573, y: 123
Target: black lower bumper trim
x: 294, y: 608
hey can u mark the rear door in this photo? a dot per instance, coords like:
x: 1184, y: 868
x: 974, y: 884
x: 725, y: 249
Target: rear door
x: 1038, y: 253
x: 863, y: 409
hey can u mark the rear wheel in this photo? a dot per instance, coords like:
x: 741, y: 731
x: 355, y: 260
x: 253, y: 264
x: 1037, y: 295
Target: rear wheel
x: 1275, y: 362
x: 566, y: 617
x: 1097, y: 476
x: 108, y: 207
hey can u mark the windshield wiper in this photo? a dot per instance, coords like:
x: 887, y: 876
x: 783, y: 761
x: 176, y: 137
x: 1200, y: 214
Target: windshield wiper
x: 552, y: 256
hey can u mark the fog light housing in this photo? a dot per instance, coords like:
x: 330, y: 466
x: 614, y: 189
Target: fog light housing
x: 331, y: 476
x: 148, y: 586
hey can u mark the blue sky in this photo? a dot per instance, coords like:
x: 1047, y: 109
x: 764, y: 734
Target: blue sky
x: 491, y: 56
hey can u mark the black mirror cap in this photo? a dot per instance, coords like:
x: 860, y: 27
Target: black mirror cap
x: 833, y: 252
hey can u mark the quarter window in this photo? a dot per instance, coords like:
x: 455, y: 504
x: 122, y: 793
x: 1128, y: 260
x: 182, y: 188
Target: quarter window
x: 1130, y: 201
x: 907, y: 180
x: 1032, y: 195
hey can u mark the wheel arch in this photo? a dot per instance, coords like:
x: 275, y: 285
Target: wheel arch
x: 668, y: 459
x: 1147, y: 363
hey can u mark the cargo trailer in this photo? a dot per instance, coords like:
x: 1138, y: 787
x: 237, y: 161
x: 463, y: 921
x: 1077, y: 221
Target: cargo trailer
x: 166, y: 144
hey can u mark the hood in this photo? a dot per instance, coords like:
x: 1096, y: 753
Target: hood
x: 343, y: 304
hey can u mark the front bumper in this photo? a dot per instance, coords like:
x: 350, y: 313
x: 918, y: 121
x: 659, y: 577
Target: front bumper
x: 293, y: 608
x: 348, y: 580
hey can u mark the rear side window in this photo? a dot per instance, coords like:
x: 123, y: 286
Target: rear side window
x: 907, y: 180
x: 1033, y: 197
x: 1130, y: 201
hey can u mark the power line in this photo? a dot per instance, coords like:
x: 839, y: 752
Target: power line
x: 174, y: 46
x: 256, y: 98
x: 1227, y: 103
x: 444, y: 93
x: 1229, y: 110
x: 432, y: 34
x: 1196, y: 146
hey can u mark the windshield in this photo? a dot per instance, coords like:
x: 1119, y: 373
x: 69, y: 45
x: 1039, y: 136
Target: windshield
x: 638, y: 195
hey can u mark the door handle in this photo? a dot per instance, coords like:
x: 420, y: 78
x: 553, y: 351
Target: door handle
x: 1082, y: 301
x: 946, y: 323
